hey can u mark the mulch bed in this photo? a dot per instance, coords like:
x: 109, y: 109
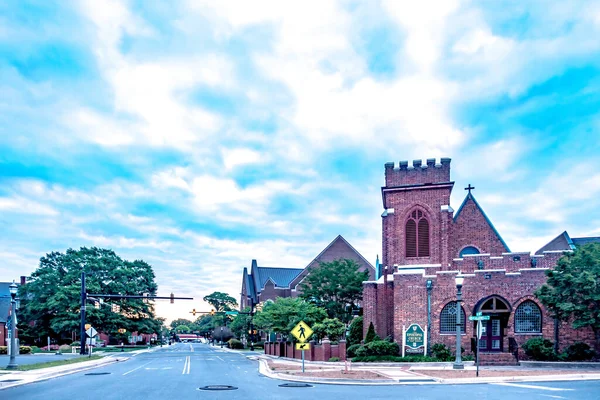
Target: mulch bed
x: 457, y: 374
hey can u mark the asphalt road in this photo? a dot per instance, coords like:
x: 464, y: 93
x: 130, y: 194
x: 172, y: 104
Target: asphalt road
x: 178, y: 372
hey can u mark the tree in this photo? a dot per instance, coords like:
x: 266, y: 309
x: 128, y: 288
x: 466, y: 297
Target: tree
x: 205, y: 325
x: 333, y: 328
x: 335, y: 285
x: 182, y: 329
x: 180, y: 321
x: 572, y: 290
x: 221, y: 301
x: 356, y: 332
x: 282, y: 315
x: 371, y: 335
x: 51, y: 299
x: 241, y: 324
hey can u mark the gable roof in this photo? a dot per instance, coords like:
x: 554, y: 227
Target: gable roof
x: 471, y: 197
x: 564, y: 242
x: 344, y: 242
x: 281, y: 277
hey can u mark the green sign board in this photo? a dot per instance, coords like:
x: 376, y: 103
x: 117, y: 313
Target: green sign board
x: 415, y: 336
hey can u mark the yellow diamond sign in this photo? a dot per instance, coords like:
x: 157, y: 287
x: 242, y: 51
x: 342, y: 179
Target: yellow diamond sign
x: 302, y: 331
x: 302, y: 346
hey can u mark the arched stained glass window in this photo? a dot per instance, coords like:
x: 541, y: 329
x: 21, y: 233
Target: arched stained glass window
x: 528, y: 318
x: 448, y: 318
x: 468, y: 250
x: 417, y: 235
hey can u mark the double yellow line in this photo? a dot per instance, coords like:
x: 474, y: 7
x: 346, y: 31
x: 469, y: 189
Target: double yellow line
x: 186, y: 366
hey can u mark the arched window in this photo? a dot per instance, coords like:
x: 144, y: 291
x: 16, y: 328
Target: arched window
x: 417, y: 235
x: 468, y: 250
x: 528, y: 318
x: 448, y: 319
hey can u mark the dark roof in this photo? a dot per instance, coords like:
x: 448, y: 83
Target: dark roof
x: 470, y: 196
x: 280, y: 276
x: 585, y: 240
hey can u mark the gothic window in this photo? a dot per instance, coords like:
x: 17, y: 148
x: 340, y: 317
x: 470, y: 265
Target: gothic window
x: 448, y: 319
x: 417, y: 235
x: 528, y: 318
x: 468, y: 250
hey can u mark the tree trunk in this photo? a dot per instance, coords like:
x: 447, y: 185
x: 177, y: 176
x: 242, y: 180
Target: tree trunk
x: 556, y: 335
x: 597, y: 337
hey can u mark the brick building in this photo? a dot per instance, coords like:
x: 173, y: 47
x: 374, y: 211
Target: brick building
x: 268, y: 283
x: 425, y: 245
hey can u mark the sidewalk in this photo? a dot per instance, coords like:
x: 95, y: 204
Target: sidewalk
x: 417, y: 374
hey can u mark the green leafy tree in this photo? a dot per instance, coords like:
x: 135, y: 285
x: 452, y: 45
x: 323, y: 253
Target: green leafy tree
x: 356, y: 332
x: 205, y: 325
x: 51, y: 299
x: 182, y: 329
x: 221, y: 301
x: 282, y: 315
x: 180, y: 321
x: 572, y: 290
x: 335, y: 286
x: 241, y: 324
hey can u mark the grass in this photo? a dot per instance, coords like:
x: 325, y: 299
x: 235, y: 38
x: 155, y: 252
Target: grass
x: 49, y: 364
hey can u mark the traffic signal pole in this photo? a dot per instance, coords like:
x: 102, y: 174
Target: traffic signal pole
x: 82, y: 327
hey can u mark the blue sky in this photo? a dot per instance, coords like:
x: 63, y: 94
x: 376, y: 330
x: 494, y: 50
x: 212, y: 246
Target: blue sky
x: 198, y: 135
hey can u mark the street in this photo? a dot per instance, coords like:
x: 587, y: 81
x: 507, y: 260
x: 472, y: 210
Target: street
x: 179, y: 371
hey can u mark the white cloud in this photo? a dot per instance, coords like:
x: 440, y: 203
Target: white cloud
x: 236, y: 157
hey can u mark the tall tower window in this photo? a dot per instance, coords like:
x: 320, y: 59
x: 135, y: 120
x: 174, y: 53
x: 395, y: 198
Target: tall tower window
x: 417, y: 235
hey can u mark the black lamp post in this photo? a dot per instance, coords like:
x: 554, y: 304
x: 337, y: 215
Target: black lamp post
x: 13, y: 319
x: 429, y: 286
x: 458, y: 364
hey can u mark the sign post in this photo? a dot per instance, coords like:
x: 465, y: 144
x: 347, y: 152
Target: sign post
x: 479, y: 317
x: 302, y: 332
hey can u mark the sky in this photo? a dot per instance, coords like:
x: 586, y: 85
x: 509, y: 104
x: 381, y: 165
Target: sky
x: 199, y: 135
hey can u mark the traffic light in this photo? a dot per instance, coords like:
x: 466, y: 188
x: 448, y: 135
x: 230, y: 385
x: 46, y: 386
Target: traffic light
x: 172, y: 298
x: 212, y: 312
x: 194, y: 312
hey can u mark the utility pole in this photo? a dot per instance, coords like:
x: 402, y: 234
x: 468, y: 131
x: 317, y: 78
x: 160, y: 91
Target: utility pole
x: 82, y: 326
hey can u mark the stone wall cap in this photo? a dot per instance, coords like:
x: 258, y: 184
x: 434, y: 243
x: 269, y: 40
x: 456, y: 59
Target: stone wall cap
x: 483, y: 271
x: 533, y: 269
x: 476, y: 255
x: 517, y: 253
x: 497, y: 258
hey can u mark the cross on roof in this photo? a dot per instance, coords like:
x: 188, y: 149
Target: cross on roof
x: 469, y: 188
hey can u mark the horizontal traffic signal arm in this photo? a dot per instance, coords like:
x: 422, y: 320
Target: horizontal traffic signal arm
x: 126, y: 296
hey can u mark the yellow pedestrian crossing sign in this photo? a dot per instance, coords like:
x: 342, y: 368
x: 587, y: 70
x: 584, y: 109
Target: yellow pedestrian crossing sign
x: 302, y: 332
x: 302, y: 346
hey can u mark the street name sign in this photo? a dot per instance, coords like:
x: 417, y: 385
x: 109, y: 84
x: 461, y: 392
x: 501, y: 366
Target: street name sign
x: 479, y: 318
x: 302, y: 346
x: 302, y: 332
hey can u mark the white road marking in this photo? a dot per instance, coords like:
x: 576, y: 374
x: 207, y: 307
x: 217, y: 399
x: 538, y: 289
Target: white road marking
x: 554, y: 397
x: 220, y: 358
x: 135, y: 369
x: 191, y: 348
x: 530, y: 386
x: 186, y: 366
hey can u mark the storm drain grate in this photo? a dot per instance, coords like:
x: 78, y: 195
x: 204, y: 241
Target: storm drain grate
x: 98, y: 373
x: 295, y: 385
x: 218, y: 387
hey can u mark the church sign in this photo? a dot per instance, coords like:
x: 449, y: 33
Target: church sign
x: 414, y: 340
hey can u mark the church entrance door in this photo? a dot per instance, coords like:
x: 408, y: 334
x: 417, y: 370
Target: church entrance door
x: 491, y: 335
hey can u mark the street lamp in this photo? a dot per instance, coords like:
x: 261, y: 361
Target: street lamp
x: 458, y: 364
x: 13, y: 319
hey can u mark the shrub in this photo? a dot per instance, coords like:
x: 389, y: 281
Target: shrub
x: 65, y: 348
x: 76, y: 343
x: 411, y: 359
x: 540, y: 349
x: 355, y: 336
x: 440, y: 352
x: 334, y: 359
x: 351, y: 350
x: 3, y: 350
x: 235, y: 344
x: 578, y: 351
x: 259, y: 344
x: 35, y: 349
x: 371, y: 335
x: 377, y: 348
x: 24, y: 350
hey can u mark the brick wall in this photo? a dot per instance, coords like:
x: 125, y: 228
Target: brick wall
x: 318, y: 352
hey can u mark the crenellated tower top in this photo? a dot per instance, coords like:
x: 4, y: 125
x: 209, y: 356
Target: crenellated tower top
x: 417, y: 173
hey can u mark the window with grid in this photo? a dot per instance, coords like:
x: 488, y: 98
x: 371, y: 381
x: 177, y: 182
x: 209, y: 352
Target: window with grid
x: 448, y: 319
x: 417, y: 235
x: 528, y: 318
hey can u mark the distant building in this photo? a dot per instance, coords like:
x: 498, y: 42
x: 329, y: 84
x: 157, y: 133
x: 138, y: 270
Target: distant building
x: 425, y: 246
x: 268, y: 283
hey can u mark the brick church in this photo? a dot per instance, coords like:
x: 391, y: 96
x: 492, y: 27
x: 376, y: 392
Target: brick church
x: 425, y: 246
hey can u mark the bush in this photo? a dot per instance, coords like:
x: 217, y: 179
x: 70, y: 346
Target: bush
x: 440, y: 352
x: 578, y: 351
x: 259, y: 344
x: 355, y: 336
x: 378, y: 348
x: 3, y: 350
x: 35, y: 349
x: 65, y: 348
x: 371, y: 335
x: 540, y: 349
x: 351, y: 350
x: 76, y: 343
x: 411, y: 359
x: 235, y: 344
x: 334, y: 359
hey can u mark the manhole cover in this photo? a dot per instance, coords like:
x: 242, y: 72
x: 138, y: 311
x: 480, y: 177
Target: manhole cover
x: 295, y: 385
x: 10, y: 380
x: 218, y: 387
x: 98, y: 373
